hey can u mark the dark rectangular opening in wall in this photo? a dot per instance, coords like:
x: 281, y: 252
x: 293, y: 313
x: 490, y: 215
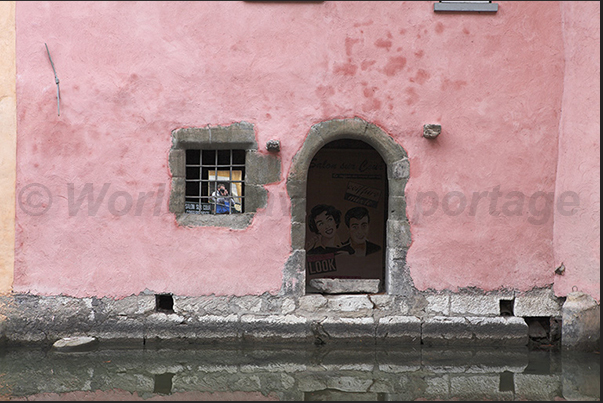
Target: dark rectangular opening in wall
x: 506, y: 307
x: 506, y: 382
x: 544, y: 331
x: 163, y: 383
x: 164, y: 303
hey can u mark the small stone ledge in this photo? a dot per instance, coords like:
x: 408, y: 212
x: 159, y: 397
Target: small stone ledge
x: 399, y: 329
x: 345, y: 286
x: 446, y: 330
x: 350, y: 328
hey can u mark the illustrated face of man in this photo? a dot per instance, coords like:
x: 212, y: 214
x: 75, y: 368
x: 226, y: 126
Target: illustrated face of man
x: 359, y: 229
x: 326, y: 225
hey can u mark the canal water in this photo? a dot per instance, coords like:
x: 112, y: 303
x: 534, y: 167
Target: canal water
x: 298, y: 373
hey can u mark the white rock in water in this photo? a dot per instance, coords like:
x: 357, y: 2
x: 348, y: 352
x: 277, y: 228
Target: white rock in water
x: 74, y: 343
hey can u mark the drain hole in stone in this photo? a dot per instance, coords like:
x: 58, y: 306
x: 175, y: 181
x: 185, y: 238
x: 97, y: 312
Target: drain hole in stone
x: 163, y: 383
x: 506, y: 307
x: 507, y: 382
x: 164, y: 303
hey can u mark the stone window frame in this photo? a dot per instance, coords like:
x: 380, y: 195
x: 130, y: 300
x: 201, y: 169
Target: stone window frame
x: 398, y: 237
x: 260, y: 169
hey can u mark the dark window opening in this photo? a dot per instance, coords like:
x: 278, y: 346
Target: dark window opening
x: 164, y: 303
x: 506, y: 307
x: 215, y: 181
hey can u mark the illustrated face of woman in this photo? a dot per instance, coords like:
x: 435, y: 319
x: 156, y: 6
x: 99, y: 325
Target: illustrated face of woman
x: 326, y: 225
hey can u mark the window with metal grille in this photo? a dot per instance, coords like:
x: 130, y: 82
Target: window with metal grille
x: 214, y: 181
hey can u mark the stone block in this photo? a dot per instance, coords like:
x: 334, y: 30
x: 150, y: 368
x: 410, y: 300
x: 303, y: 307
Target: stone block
x: 312, y: 303
x: 294, y: 275
x: 212, y: 327
x: 398, y: 234
x: 581, y: 318
x: 349, y: 384
x: 438, y: 304
x: 383, y: 302
x: 474, y: 305
x: 203, y: 305
x: 537, y: 387
x: 399, y: 169
x: 275, y: 327
x: 350, y: 328
x: 237, y: 135
x: 247, y: 304
x: 399, y: 329
x: 287, y: 306
x: 438, y: 387
x: 499, y: 331
x: 443, y: 330
x: 581, y: 372
x: 537, y: 303
x: 349, y: 303
x: 177, y: 195
x: 397, y: 208
x: 256, y: 197
x: 177, y: 163
x: 190, y: 137
x: 298, y: 235
x: 298, y: 210
x: 273, y: 146
x: 470, y: 386
x: 431, y: 131
x: 261, y: 169
x: 345, y: 286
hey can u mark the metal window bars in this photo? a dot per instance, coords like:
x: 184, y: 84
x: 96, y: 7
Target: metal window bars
x: 205, y: 171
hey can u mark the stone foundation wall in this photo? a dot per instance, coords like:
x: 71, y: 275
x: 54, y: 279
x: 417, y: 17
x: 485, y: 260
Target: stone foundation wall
x: 445, y: 318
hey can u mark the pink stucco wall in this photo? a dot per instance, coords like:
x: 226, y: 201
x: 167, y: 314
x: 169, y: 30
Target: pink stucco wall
x: 131, y: 72
x: 577, y: 241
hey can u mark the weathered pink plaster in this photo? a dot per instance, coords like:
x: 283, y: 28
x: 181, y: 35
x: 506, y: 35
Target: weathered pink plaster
x: 131, y: 72
x: 577, y: 241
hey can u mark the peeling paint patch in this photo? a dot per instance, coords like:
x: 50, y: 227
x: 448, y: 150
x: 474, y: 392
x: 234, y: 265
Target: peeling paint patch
x: 413, y: 97
x: 383, y: 43
x: 366, y: 64
x: 420, y: 77
x: 394, y: 65
x: 347, y: 69
x: 325, y: 91
x: 349, y: 42
x: 453, y: 85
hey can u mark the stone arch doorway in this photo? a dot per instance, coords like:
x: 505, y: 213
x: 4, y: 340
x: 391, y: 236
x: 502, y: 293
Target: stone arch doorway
x: 397, y: 229
x: 346, y: 205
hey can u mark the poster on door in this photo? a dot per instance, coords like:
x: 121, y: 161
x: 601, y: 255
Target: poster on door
x: 345, y: 233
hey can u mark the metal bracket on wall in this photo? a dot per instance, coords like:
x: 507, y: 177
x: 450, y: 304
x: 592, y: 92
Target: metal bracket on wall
x: 56, y: 80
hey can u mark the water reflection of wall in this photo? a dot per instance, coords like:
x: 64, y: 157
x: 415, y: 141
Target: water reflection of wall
x: 290, y: 373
